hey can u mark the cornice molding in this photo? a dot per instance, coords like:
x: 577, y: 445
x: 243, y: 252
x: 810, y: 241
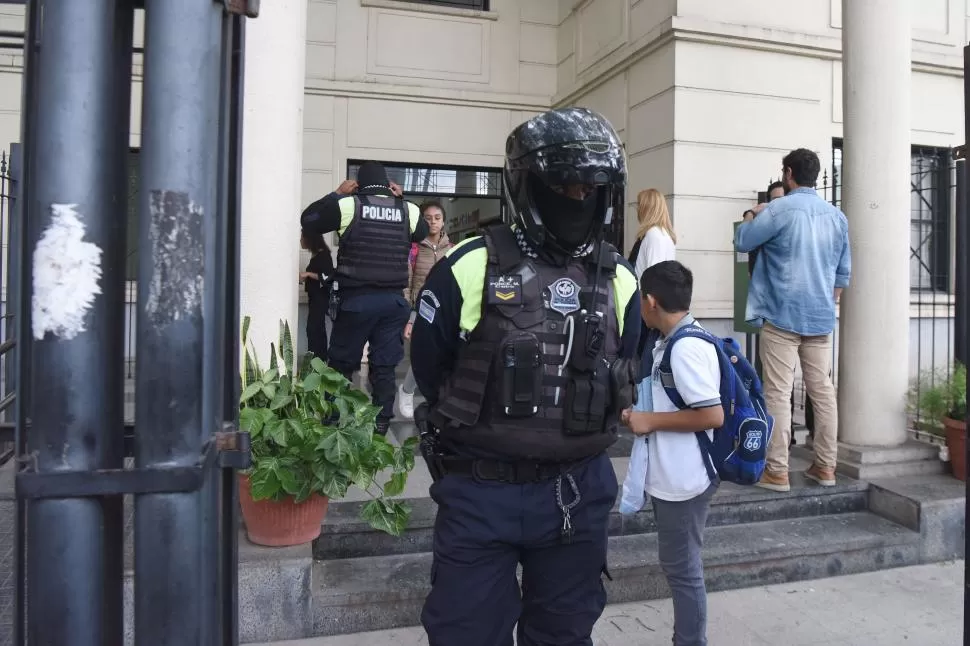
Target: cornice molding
x: 826, y: 46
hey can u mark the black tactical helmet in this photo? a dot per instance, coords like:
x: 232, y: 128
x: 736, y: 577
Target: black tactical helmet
x: 565, y: 174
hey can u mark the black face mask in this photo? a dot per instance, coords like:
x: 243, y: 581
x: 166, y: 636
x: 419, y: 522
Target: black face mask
x: 569, y: 221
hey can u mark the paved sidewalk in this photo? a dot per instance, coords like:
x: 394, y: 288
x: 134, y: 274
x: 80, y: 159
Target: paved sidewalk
x: 916, y: 606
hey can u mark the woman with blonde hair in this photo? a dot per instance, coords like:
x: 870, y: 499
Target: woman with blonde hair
x: 656, y: 240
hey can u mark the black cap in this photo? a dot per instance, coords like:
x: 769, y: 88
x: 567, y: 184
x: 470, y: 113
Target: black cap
x: 371, y: 173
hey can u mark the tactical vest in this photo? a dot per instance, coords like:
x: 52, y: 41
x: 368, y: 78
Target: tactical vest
x: 375, y: 245
x: 508, y: 393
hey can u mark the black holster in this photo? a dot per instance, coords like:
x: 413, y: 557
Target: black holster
x: 428, y: 444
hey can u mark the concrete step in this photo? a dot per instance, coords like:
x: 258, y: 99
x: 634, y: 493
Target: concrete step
x: 344, y: 535
x: 376, y: 593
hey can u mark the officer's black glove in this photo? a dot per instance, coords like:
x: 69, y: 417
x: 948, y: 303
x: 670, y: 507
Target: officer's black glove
x: 421, y: 413
x: 623, y: 383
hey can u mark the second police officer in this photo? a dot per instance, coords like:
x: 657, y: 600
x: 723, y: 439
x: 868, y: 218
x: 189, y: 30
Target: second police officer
x: 525, y: 347
x: 376, y: 228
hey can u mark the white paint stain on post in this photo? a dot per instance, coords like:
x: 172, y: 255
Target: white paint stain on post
x: 67, y: 275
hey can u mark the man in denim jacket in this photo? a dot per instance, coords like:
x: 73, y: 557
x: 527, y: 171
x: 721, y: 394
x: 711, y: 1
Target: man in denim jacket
x: 803, y: 265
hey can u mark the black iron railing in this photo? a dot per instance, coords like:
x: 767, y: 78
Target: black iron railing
x: 8, y: 228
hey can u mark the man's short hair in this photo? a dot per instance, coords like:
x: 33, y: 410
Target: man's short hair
x: 804, y: 166
x: 775, y: 185
x: 670, y: 283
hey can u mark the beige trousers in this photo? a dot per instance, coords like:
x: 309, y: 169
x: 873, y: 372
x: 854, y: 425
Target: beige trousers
x: 779, y: 351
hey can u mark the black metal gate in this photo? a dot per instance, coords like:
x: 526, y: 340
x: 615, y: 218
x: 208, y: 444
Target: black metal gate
x: 76, y: 473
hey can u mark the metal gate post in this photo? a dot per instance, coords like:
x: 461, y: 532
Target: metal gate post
x: 75, y: 219
x: 178, y: 326
x: 230, y: 203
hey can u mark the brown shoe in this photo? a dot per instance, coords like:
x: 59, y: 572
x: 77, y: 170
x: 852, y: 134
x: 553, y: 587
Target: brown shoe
x: 821, y: 475
x: 774, y: 482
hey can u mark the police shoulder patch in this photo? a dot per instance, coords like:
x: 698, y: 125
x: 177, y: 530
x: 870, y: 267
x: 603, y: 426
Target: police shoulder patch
x: 505, y: 290
x: 427, y: 310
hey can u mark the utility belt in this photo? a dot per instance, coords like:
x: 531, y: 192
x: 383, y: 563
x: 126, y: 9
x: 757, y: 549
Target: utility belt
x: 517, y: 472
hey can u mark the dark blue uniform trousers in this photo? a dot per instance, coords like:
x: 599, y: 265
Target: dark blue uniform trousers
x: 379, y: 319
x: 484, y: 529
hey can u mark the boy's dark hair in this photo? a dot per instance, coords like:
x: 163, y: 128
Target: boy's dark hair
x: 671, y: 283
x: 804, y: 166
x: 427, y: 204
x: 775, y: 185
x: 315, y: 243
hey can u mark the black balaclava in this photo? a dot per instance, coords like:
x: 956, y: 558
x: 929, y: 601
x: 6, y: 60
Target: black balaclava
x: 371, y: 173
x: 569, y: 221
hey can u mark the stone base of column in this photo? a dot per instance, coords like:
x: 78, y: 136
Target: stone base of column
x: 875, y: 462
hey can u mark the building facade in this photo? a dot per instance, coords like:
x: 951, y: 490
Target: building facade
x: 707, y: 96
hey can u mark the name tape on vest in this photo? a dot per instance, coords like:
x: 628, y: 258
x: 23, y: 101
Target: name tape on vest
x: 382, y: 213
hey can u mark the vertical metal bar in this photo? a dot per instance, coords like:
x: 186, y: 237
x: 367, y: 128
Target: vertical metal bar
x: 13, y: 368
x: 76, y: 202
x: 230, y: 492
x: 24, y: 342
x: 961, y: 283
x: 964, y: 241
x: 176, y: 307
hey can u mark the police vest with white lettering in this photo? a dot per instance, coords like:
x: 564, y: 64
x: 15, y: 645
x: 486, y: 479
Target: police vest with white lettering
x: 488, y: 404
x: 375, y: 245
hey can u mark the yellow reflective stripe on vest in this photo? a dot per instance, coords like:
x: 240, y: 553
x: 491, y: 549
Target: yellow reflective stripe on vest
x: 347, y: 207
x: 469, y: 273
x: 414, y: 216
x: 624, y: 287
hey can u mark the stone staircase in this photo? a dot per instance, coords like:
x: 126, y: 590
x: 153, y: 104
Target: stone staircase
x: 363, y: 580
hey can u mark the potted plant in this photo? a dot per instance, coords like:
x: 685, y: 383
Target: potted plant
x: 312, y: 437
x: 943, y: 399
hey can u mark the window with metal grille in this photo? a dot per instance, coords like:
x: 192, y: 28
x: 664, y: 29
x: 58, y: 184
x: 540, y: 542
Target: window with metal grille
x: 932, y: 185
x: 480, y: 5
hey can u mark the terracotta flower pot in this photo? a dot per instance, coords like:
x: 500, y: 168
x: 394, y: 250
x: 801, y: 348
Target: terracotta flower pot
x: 281, y: 523
x: 956, y: 445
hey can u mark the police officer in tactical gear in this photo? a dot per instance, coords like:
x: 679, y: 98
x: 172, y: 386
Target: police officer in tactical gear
x: 525, y: 346
x: 376, y: 228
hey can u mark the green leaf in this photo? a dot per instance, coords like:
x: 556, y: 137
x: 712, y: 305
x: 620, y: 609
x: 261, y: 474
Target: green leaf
x: 272, y: 375
x: 277, y: 431
x: 332, y: 483
x: 386, y: 516
x: 264, y: 484
x: 337, y: 447
x: 269, y: 390
x: 288, y: 481
x: 286, y: 346
x: 312, y: 382
x: 305, y: 367
x: 363, y: 478
x: 395, y: 486
x: 250, y: 392
x: 356, y: 398
x: 245, y: 329
x: 273, y: 360
x: 251, y: 420
x: 404, y: 456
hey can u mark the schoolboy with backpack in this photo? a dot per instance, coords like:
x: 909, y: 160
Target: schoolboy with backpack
x: 707, y: 424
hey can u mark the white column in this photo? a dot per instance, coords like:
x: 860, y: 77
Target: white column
x: 272, y: 169
x: 874, y: 332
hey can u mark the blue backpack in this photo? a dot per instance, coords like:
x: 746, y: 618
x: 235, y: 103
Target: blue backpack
x: 740, y: 446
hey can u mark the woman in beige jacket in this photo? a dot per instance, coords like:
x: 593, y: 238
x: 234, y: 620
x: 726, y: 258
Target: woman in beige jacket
x: 430, y: 250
